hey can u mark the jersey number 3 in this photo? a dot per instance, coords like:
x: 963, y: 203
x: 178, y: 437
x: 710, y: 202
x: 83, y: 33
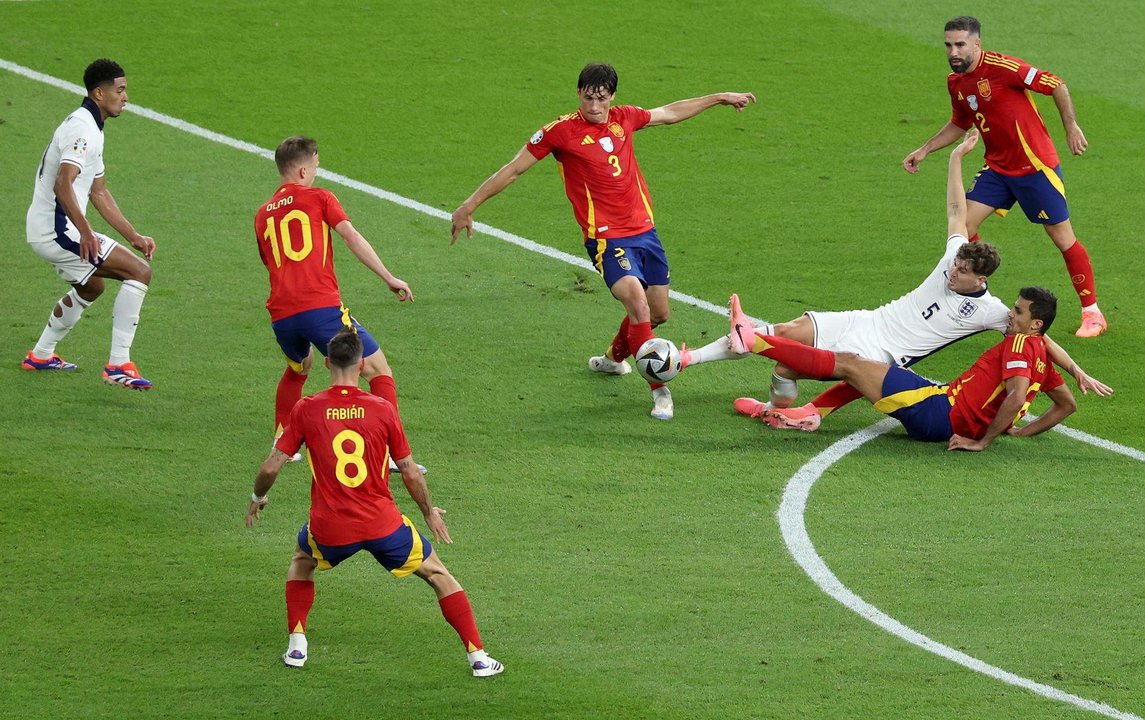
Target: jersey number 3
x: 355, y: 458
x: 287, y: 239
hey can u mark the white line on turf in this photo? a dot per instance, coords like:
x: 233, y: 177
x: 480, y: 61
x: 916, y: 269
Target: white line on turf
x: 798, y: 489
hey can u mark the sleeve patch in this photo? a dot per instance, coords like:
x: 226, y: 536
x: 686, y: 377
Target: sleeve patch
x: 1017, y: 364
x: 537, y: 136
x: 1031, y: 75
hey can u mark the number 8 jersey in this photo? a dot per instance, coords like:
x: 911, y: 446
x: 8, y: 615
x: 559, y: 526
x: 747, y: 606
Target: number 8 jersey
x: 293, y: 232
x: 349, y: 436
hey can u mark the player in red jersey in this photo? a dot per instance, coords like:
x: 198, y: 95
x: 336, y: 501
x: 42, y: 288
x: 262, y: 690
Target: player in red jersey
x: 970, y: 412
x: 293, y: 233
x: 994, y: 92
x: 350, y: 435
x: 595, y: 155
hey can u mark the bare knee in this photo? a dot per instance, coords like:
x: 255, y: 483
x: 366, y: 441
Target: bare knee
x: 376, y: 365
x: 90, y: 291
x: 658, y: 318
x: 845, y: 361
x: 141, y: 272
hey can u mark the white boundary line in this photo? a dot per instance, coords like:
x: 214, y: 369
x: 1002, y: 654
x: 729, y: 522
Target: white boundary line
x: 794, y: 530
x: 799, y: 487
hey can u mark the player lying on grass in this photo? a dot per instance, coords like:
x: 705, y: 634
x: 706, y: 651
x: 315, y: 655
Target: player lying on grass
x: 952, y: 303
x: 969, y: 413
x: 349, y: 435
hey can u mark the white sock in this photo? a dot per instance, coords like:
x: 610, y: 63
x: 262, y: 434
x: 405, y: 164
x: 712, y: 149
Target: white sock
x: 476, y: 656
x: 297, y: 641
x: 783, y: 389
x: 124, y: 319
x: 1091, y: 308
x: 720, y: 349
x: 72, y: 306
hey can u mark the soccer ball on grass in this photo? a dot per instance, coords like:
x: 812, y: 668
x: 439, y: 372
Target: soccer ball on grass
x: 658, y: 360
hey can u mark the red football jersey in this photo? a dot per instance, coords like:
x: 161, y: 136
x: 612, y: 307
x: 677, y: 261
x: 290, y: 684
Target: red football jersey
x: 979, y: 393
x: 349, y: 435
x: 293, y: 232
x: 996, y: 96
x: 598, y: 165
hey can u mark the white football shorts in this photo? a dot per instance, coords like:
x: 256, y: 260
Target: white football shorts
x: 853, y: 331
x: 63, y: 254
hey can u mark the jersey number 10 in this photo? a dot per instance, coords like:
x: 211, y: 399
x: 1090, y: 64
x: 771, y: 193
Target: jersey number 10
x: 287, y: 244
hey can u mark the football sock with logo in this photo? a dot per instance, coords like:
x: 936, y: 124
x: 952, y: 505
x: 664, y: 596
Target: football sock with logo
x: 809, y: 361
x: 299, y: 600
x: 124, y: 320
x: 383, y: 386
x: 619, y: 349
x: 70, y: 307
x: 286, y: 397
x: 834, y: 398
x: 1081, y: 273
x: 455, y: 608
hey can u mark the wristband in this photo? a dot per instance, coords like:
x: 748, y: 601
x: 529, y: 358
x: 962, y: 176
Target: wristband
x: 261, y: 499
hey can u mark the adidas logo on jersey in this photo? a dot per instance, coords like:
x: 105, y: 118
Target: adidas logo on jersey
x: 587, y: 141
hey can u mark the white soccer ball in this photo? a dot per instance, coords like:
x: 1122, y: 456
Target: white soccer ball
x: 658, y: 360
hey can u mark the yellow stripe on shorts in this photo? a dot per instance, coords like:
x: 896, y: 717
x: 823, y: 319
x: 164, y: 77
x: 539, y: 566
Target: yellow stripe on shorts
x: 322, y: 564
x: 906, y: 398
x: 415, y: 559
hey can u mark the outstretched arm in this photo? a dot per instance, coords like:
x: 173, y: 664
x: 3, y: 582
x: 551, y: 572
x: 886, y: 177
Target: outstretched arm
x: 368, y: 257
x: 414, y: 481
x: 1064, y: 406
x: 955, y: 190
x: 498, y: 181
x: 684, y: 109
x: 948, y: 134
x: 103, y: 201
x: 1085, y: 383
x: 267, y: 474
x: 1075, y: 138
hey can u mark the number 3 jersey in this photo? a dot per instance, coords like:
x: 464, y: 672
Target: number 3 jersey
x: 349, y: 436
x: 293, y: 232
x: 598, y: 165
x: 932, y: 316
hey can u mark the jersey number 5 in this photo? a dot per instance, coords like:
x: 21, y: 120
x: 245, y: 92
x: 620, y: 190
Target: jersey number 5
x: 287, y: 238
x: 933, y: 308
x: 352, y: 459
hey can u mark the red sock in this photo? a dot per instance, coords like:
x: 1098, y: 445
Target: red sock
x: 834, y: 398
x: 299, y: 600
x: 638, y: 334
x: 288, y: 394
x: 974, y: 238
x: 455, y: 608
x: 805, y: 360
x: 619, y: 349
x: 1081, y: 273
x: 383, y: 386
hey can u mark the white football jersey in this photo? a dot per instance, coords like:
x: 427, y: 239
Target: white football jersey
x: 932, y: 316
x: 79, y: 141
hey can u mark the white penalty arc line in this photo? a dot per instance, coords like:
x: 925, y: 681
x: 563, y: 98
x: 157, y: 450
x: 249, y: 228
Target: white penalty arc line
x: 794, y: 529
x: 794, y: 497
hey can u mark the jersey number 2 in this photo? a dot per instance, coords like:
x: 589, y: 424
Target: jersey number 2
x: 353, y: 459
x: 287, y: 238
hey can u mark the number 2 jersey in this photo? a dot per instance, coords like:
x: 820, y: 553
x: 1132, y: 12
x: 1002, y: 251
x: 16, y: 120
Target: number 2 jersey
x: 293, y: 233
x: 349, y: 436
x: 597, y: 163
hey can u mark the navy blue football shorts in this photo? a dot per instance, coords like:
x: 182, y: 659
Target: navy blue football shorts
x: 1041, y: 194
x: 640, y: 256
x: 401, y: 552
x: 296, y: 333
x: 919, y: 404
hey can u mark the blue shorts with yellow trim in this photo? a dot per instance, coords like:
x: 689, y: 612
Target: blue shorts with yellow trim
x: 401, y: 552
x: 296, y: 333
x: 919, y: 404
x: 1041, y: 194
x: 640, y: 256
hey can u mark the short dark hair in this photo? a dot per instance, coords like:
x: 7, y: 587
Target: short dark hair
x: 964, y: 22
x: 1043, y: 305
x: 597, y: 76
x: 345, y: 349
x: 293, y: 151
x: 982, y: 258
x: 101, y: 72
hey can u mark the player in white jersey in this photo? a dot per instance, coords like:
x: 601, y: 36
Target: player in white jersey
x: 952, y: 303
x: 71, y: 172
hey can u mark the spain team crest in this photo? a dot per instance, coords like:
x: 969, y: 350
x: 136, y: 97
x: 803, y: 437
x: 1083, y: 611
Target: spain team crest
x: 616, y: 130
x: 984, y: 88
x: 966, y: 309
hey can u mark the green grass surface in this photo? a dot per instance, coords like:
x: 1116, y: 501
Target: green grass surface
x: 620, y: 567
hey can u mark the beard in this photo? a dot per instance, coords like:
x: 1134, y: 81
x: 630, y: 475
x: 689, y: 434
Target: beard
x: 958, y: 65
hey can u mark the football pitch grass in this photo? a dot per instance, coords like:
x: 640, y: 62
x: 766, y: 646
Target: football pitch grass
x: 618, y: 566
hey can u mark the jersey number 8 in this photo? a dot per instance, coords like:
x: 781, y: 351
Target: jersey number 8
x: 355, y: 458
